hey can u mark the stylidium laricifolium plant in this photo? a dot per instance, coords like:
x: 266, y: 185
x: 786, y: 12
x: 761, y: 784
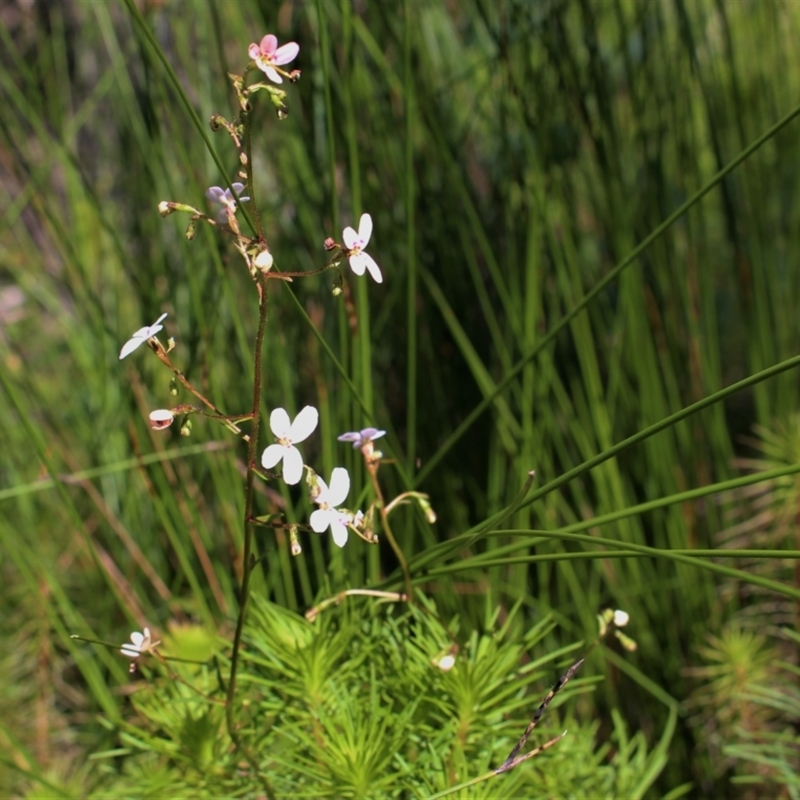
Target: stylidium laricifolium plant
x: 235, y: 214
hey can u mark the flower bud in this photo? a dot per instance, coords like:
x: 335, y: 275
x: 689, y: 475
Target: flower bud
x: 186, y: 428
x: 621, y: 618
x: 264, y: 260
x: 165, y: 208
x: 329, y: 244
x: 161, y: 418
x: 191, y: 230
x: 294, y: 75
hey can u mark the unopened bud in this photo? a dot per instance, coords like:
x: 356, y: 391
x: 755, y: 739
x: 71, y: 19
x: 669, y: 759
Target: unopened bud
x: 216, y: 122
x: 191, y: 230
x: 336, y: 291
x: 294, y: 75
x: 165, y: 208
x: 621, y: 618
x: 264, y: 260
x: 186, y: 428
x: 329, y: 244
x: 294, y: 541
x: 283, y: 113
x: 161, y: 418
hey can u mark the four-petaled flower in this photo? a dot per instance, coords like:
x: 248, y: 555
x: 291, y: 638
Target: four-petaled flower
x: 360, y: 438
x: 141, y: 336
x: 287, y: 433
x: 268, y: 55
x: 225, y: 198
x: 355, y: 243
x: 139, y: 644
x: 327, y: 515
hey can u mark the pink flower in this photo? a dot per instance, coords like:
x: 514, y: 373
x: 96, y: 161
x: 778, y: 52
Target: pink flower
x: 356, y: 243
x: 268, y: 55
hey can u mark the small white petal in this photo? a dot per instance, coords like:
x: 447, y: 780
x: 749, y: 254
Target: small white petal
x: 358, y: 263
x: 340, y: 486
x: 130, y: 346
x: 272, y: 74
x: 621, y: 618
x: 372, y: 266
x: 320, y: 520
x: 304, y: 424
x: 350, y: 237
x: 339, y: 531
x: 292, y: 465
x: 129, y: 650
x: 365, y: 229
x: 280, y: 423
x: 272, y: 455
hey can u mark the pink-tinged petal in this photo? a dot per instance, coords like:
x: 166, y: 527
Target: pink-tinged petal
x: 215, y: 194
x: 319, y: 520
x: 269, y: 44
x: 305, y: 423
x: 350, y: 237
x: 365, y: 229
x: 286, y: 53
x: 340, y: 486
x: 339, y: 531
x: 271, y: 74
x: 279, y: 423
x: 358, y: 263
x: 292, y: 466
x: 237, y: 187
x: 272, y: 455
x: 130, y: 346
x: 254, y: 51
x: 372, y: 266
x: 353, y: 436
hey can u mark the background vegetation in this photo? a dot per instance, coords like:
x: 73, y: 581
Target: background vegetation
x: 513, y: 155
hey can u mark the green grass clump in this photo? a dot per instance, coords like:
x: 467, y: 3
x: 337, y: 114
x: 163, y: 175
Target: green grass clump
x: 584, y: 213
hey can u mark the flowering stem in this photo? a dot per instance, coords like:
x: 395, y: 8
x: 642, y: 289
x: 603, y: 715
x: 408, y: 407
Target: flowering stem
x: 165, y: 359
x: 247, y: 560
x: 372, y: 467
x: 249, y: 169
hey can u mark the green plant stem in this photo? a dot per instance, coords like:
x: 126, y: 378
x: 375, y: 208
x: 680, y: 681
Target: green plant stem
x: 373, y: 464
x: 247, y: 560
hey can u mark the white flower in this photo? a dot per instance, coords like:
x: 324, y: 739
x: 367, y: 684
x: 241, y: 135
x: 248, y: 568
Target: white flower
x: 360, y: 438
x: 224, y: 198
x: 356, y: 242
x: 161, y: 418
x: 141, y: 336
x: 621, y: 618
x: 287, y: 434
x: 446, y: 662
x: 327, y: 515
x: 140, y: 643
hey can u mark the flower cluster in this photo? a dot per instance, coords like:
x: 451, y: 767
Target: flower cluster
x: 329, y: 498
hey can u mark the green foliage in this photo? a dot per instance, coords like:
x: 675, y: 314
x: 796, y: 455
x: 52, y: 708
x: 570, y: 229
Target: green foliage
x: 354, y: 706
x: 519, y: 158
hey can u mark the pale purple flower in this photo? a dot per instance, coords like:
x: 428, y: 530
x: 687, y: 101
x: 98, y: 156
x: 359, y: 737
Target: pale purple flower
x: 141, y: 336
x: 225, y: 198
x: 360, y: 438
x: 268, y: 55
x: 287, y: 434
x: 140, y: 643
x: 355, y: 243
x: 327, y: 515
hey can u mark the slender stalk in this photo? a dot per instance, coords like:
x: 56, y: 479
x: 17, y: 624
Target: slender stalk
x: 247, y: 559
